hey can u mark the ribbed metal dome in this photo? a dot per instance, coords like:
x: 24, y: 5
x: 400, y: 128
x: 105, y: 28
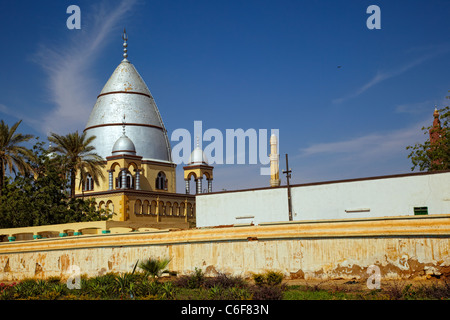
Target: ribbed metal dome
x: 126, y: 94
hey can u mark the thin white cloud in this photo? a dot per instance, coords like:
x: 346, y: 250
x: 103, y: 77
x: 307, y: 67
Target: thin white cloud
x: 67, y: 67
x: 374, y: 154
x: 371, y: 146
x: 420, y: 107
x: 385, y: 75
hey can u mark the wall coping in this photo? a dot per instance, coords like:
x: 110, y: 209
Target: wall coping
x: 400, y: 226
x: 310, y: 184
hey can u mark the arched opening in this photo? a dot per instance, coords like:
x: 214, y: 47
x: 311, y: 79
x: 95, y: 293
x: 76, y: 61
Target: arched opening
x: 181, y: 209
x: 88, y: 183
x: 146, y: 207
x: 161, y: 208
x: 161, y: 181
x: 110, y: 206
x: 168, y: 208
x: 153, y: 207
x: 138, y: 207
x: 207, y: 187
x: 129, y: 180
x: 175, y: 209
x: 188, y: 183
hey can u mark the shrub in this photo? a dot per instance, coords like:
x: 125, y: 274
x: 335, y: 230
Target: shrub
x: 268, y: 286
x: 196, y: 280
x: 225, y: 281
x: 147, y: 288
x: 395, y: 290
x: 6, y: 291
x: 216, y: 292
x: 167, y: 290
x: 193, y: 281
x: 264, y: 292
x: 259, y: 279
x: 235, y: 293
x: 270, y: 278
x: 27, y: 288
x: 125, y: 284
x: 435, y: 291
x: 274, y: 278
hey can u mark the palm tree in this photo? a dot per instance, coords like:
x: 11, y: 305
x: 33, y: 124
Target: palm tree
x: 80, y: 156
x: 12, y: 155
x: 154, y: 267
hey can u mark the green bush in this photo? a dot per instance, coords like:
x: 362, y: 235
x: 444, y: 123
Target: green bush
x: 274, y: 278
x: 270, y: 278
x: 259, y: 279
x: 193, y: 281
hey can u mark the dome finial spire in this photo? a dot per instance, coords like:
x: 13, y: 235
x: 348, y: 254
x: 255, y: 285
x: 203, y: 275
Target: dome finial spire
x: 123, y: 124
x: 125, y: 45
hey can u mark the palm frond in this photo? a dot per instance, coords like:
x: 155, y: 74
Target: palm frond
x: 79, y: 156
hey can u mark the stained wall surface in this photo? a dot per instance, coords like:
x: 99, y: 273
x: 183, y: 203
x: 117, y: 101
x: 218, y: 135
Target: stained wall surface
x: 402, y: 247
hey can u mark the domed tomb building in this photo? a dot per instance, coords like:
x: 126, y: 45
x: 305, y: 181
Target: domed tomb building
x: 140, y: 177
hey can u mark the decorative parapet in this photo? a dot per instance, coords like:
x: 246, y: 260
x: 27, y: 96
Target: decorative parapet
x: 68, y: 229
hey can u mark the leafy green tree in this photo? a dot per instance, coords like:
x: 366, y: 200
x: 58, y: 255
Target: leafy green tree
x: 79, y: 156
x: 12, y: 155
x: 434, y: 153
x: 42, y: 198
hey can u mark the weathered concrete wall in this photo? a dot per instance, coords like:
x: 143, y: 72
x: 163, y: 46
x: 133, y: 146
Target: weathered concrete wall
x: 403, y: 247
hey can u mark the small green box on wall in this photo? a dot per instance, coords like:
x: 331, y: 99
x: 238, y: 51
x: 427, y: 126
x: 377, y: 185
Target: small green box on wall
x: 420, y: 211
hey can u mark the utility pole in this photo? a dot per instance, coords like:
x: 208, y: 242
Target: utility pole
x: 288, y: 176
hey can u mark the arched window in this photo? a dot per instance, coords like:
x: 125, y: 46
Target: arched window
x: 138, y: 207
x: 161, y: 181
x: 110, y: 206
x: 129, y: 180
x: 153, y: 207
x: 89, y: 183
x: 175, y: 211
x: 146, y: 207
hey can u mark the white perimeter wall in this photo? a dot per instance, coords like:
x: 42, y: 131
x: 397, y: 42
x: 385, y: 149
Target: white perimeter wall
x: 385, y: 196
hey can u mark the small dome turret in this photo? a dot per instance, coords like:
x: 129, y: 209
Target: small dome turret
x: 124, y: 145
x: 197, y: 156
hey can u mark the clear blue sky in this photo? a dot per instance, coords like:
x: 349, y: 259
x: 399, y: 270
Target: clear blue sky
x: 242, y: 64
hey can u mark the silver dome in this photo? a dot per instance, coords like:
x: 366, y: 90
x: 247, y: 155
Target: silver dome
x: 126, y: 94
x: 123, y: 145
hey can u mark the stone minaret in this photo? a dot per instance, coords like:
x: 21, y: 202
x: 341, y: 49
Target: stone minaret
x: 435, y: 139
x: 435, y: 132
x: 274, y: 159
